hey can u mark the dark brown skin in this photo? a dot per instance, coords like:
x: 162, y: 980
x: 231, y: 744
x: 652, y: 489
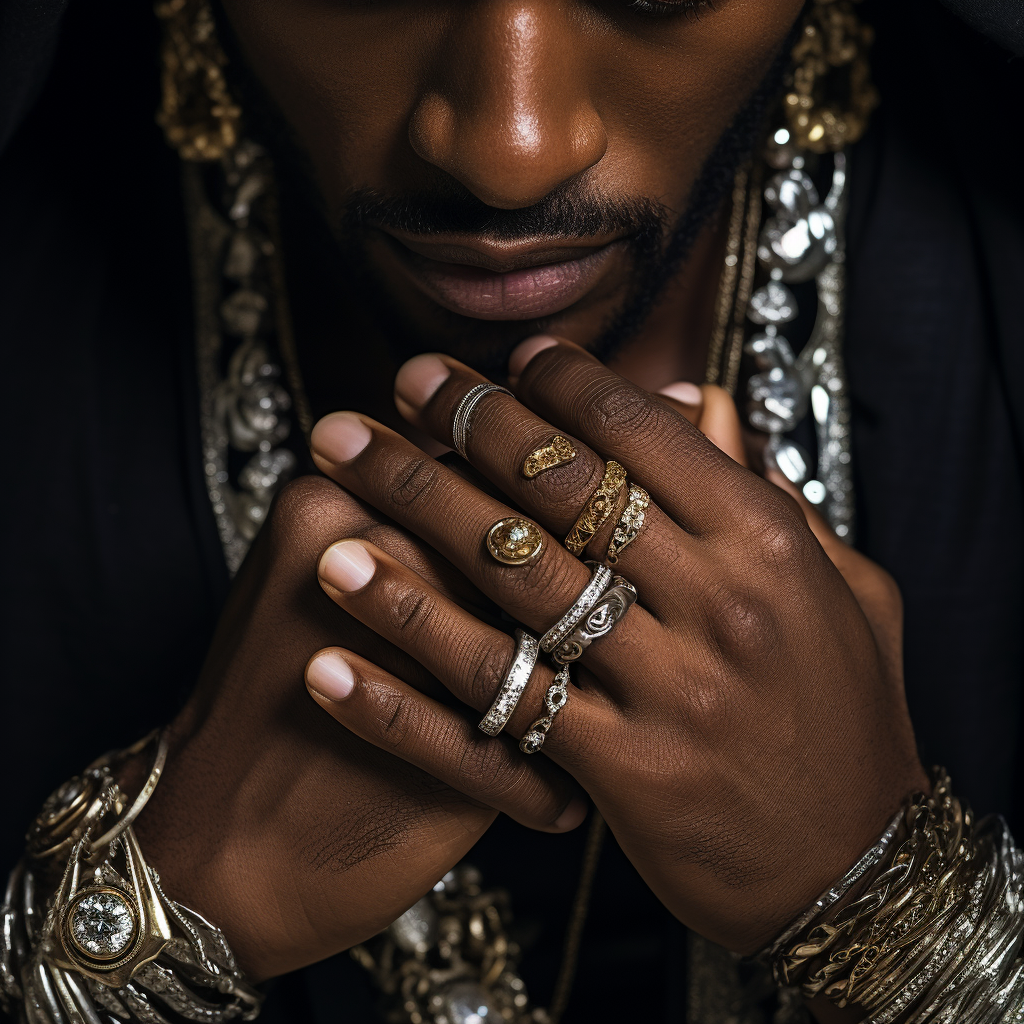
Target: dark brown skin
x: 743, y: 730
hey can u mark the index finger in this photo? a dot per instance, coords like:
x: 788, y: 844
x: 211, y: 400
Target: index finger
x: 692, y: 480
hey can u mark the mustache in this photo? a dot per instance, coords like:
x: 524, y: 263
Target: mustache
x: 567, y: 212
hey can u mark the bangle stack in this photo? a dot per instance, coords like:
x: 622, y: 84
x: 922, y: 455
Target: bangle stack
x: 88, y: 933
x: 934, y: 937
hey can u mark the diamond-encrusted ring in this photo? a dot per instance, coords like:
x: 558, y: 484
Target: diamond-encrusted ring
x: 462, y: 421
x: 630, y: 523
x: 600, y: 579
x: 516, y: 678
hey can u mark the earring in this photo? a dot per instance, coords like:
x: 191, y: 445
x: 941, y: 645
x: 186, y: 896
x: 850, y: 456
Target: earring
x: 197, y: 113
x: 830, y: 95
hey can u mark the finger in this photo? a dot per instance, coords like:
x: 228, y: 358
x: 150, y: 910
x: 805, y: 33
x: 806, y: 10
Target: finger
x: 713, y: 412
x: 394, y: 717
x: 454, y: 517
x: 695, y: 484
x: 469, y: 657
x: 429, y: 390
x: 875, y: 590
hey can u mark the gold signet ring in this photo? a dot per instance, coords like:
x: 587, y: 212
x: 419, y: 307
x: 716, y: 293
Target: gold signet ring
x: 557, y: 452
x: 514, y: 541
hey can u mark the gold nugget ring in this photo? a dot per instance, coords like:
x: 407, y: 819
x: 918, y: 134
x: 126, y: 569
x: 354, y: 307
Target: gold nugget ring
x: 557, y: 452
x: 514, y: 541
x: 600, y: 505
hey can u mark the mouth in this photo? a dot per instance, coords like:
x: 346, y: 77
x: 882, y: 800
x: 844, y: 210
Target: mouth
x: 496, y: 281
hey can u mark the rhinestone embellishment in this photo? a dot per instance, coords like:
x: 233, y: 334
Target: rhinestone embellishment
x: 514, y: 541
x: 102, y: 924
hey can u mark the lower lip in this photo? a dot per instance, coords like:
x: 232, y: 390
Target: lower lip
x: 528, y: 294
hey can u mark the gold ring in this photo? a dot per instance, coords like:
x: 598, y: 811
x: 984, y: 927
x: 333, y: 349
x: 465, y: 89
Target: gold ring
x: 514, y: 541
x: 630, y: 523
x: 600, y: 505
x: 557, y: 452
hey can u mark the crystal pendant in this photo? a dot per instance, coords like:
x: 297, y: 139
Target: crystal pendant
x: 772, y: 304
x: 465, y: 1002
x: 788, y: 458
x: 778, y: 401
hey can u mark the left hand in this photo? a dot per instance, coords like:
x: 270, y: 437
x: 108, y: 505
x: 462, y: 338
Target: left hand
x: 743, y: 729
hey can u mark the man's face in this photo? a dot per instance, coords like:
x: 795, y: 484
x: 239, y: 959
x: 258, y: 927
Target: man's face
x: 500, y: 166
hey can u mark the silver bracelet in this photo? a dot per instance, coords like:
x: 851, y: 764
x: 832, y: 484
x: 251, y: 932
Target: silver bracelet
x: 86, y: 925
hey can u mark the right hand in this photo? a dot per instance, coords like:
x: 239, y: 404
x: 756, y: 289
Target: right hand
x: 289, y: 832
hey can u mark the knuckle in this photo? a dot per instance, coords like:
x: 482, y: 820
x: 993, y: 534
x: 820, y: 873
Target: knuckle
x: 619, y: 410
x: 396, y: 721
x: 741, y: 622
x: 410, y: 609
x: 781, y: 536
x: 413, y: 480
x: 565, y: 488
x: 548, y: 574
x: 309, y: 513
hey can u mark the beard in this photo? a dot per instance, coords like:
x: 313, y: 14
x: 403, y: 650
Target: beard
x: 658, y: 241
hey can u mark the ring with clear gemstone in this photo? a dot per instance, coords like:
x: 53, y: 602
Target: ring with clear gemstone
x: 102, y: 923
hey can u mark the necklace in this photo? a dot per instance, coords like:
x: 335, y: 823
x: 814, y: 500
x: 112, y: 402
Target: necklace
x: 801, y: 240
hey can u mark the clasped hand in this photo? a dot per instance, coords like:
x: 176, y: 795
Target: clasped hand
x: 743, y: 729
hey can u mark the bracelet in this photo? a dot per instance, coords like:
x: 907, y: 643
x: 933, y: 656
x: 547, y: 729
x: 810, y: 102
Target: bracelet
x: 87, y: 926
x: 935, y: 936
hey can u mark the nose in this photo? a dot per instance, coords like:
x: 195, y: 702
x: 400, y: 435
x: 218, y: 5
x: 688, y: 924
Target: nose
x: 507, y: 109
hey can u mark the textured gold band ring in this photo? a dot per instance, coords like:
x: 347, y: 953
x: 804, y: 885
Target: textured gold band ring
x: 600, y: 505
x: 630, y: 523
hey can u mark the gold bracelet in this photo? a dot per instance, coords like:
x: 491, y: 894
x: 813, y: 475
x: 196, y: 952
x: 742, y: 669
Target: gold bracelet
x: 598, y: 508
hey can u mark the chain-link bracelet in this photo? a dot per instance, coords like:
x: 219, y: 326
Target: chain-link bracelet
x: 936, y: 935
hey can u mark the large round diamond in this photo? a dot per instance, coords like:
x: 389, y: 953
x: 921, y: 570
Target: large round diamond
x: 102, y: 924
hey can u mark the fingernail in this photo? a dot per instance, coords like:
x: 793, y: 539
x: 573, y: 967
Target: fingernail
x: 683, y: 391
x: 573, y: 814
x: 330, y: 675
x: 522, y: 354
x: 418, y: 379
x: 339, y: 437
x: 347, y: 565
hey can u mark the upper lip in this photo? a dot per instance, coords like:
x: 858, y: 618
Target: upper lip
x: 498, y: 257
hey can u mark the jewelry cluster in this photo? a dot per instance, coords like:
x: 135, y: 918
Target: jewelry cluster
x: 935, y: 936
x: 88, y: 927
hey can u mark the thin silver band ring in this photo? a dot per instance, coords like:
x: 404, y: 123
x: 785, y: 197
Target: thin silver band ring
x: 461, y: 422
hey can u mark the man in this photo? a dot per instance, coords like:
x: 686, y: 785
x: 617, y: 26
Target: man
x: 744, y: 730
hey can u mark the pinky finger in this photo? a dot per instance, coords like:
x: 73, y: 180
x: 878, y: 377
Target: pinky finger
x: 400, y: 720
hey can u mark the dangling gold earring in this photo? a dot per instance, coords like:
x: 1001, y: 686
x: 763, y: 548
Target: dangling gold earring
x: 197, y: 113
x: 830, y: 97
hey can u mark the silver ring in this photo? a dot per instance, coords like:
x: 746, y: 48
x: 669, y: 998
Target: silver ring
x: 554, y: 700
x: 601, y: 577
x: 598, y: 621
x: 461, y: 425
x: 516, y: 678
